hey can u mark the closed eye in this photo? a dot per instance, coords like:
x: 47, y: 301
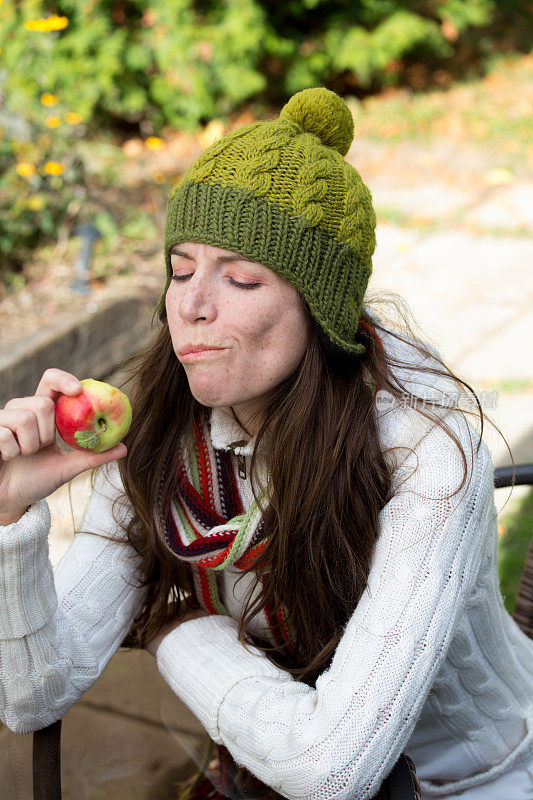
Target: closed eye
x: 231, y: 280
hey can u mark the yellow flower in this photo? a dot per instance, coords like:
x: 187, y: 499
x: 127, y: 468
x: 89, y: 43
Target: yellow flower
x: 153, y: 143
x: 25, y: 169
x: 36, y: 203
x: 52, y: 23
x: 159, y: 177
x: 53, y: 122
x: 57, y: 23
x: 53, y: 168
x: 73, y: 118
x: 48, y: 99
x: 35, y: 25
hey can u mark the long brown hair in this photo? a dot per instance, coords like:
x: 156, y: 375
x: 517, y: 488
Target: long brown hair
x: 322, y: 536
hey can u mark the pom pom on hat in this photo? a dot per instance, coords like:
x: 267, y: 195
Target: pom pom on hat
x: 324, y: 113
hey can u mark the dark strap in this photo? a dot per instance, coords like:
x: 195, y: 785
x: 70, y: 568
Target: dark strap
x: 402, y: 782
x: 47, y: 762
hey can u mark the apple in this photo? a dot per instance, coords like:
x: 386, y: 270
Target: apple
x: 96, y: 419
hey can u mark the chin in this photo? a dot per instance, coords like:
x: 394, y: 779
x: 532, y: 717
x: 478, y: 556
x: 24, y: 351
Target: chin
x: 211, y: 399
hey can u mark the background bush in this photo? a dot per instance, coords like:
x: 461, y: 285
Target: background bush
x: 135, y: 66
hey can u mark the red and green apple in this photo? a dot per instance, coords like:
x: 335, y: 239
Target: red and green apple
x: 96, y: 419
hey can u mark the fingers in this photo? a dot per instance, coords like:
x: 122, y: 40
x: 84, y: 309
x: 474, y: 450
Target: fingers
x: 19, y: 433
x: 96, y: 459
x: 55, y: 382
x: 28, y: 423
x: 76, y: 461
x: 9, y: 447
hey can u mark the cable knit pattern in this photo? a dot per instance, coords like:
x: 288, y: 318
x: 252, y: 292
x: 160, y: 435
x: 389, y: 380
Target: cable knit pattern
x: 354, y: 223
x: 342, y: 738
x: 430, y: 662
x: 58, y: 630
x: 22, y: 557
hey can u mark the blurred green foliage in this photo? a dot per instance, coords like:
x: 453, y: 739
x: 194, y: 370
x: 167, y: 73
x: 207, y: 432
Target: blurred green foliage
x: 138, y: 65
x: 513, y: 547
x: 183, y: 62
x: 41, y: 178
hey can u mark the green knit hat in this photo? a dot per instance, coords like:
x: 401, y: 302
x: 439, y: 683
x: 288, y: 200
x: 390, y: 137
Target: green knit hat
x: 281, y: 193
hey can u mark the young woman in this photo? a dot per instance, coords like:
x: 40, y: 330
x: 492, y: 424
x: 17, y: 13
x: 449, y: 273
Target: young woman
x: 300, y: 524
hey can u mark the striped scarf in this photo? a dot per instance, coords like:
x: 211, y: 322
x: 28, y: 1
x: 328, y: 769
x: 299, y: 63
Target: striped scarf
x: 208, y: 527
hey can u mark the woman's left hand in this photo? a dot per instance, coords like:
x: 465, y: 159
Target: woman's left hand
x: 192, y: 613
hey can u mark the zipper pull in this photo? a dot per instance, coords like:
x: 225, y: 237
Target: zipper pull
x: 241, y: 460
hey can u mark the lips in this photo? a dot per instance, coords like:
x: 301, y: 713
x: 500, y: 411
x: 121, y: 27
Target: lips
x: 197, y: 348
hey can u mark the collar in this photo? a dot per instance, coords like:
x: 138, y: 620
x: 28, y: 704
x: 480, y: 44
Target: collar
x: 225, y: 431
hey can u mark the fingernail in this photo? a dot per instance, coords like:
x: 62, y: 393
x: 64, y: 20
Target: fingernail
x: 72, y: 385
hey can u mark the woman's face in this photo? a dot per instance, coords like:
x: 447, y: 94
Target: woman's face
x: 261, y: 329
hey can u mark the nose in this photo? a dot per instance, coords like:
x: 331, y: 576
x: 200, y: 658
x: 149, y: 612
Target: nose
x: 196, y: 299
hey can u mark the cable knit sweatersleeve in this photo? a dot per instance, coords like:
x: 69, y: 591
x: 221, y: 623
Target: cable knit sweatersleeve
x: 342, y: 738
x: 58, y: 630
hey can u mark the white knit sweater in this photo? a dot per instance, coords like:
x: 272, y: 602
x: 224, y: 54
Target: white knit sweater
x: 430, y: 662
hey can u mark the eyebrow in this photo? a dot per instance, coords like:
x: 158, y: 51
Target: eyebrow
x: 175, y: 251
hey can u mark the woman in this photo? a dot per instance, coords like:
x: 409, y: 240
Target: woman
x: 306, y: 545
